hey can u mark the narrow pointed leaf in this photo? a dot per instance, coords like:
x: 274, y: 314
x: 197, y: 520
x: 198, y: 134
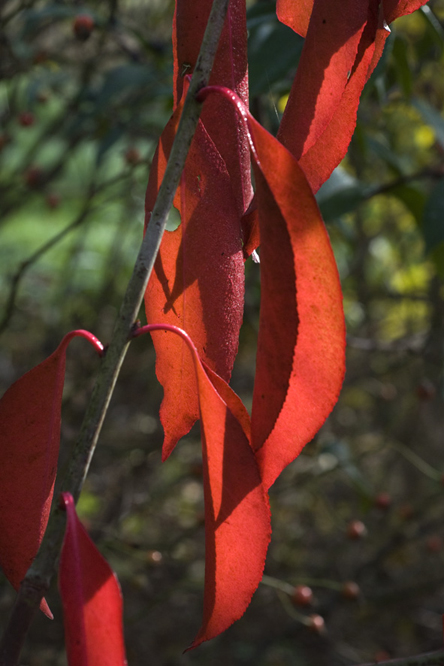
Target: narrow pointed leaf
x: 331, y: 146
x: 198, y: 280
x: 230, y: 69
x: 322, y: 140
x: 29, y: 449
x: 325, y: 65
x: 237, y: 517
x: 91, y: 599
x: 300, y: 358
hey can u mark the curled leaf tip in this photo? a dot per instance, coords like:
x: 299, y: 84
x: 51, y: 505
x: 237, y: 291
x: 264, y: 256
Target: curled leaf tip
x: 66, y: 500
x: 95, y: 342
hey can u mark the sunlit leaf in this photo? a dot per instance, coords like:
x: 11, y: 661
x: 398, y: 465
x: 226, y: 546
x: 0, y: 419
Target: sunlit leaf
x: 343, y: 46
x: 237, y: 519
x: 326, y: 64
x: 295, y: 14
x: 300, y: 359
x: 198, y: 279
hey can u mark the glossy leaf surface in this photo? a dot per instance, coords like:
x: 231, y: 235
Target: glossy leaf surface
x: 91, y: 599
x: 237, y: 518
x: 300, y: 358
x: 198, y: 279
x: 29, y: 449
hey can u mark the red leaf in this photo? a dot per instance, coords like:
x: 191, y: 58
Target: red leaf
x: 331, y: 146
x: 237, y: 517
x: 230, y: 69
x: 393, y: 9
x: 198, y: 281
x: 29, y: 449
x: 91, y: 598
x: 326, y: 63
x: 300, y: 358
x: 295, y: 14
x: 321, y: 139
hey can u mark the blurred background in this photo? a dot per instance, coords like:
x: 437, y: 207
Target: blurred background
x: 85, y: 90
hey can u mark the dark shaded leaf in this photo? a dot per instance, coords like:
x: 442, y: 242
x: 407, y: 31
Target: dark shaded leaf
x: 91, y: 599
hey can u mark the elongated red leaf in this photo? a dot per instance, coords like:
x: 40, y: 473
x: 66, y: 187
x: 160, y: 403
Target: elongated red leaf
x: 321, y: 141
x: 326, y: 63
x: 230, y: 69
x: 237, y: 517
x: 331, y: 146
x: 301, y: 347
x: 29, y: 450
x: 198, y: 280
x: 91, y: 598
x: 300, y: 358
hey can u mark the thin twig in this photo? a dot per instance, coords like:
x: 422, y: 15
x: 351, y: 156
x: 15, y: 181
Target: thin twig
x: 38, y: 578
x: 43, y: 249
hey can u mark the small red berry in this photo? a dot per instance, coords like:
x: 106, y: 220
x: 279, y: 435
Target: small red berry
x: 42, y: 97
x: 316, y: 623
x: 383, y: 501
x: 425, y: 390
x: 302, y: 595
x: 356, y: 530
x: 26, y: 119
x: 381, y: 655
x: 40, y: 57
x: 132, y: 156
x: 350, y: 590
x: 34, y: 177
x: 434, y: 544
x: 4, y: 139
x: 53, y: 201
x: 83, y: 26
x: 406, y: 511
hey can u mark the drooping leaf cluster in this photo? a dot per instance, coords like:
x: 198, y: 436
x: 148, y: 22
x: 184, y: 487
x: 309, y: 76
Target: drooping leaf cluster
x: 194, y: 306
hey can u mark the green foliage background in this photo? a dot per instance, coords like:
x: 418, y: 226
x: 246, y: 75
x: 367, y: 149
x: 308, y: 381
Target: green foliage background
x: 72, y: 189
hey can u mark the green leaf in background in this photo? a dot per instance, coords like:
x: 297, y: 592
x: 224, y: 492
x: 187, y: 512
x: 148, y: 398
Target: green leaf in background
x: 273, y: 48
x: 413, y: 198
x: 380, y: 147
x: 108, y: 141
x: 123, y: 80
x: 435, y: 31
x: 340, y: 194
x: 401, y: 63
